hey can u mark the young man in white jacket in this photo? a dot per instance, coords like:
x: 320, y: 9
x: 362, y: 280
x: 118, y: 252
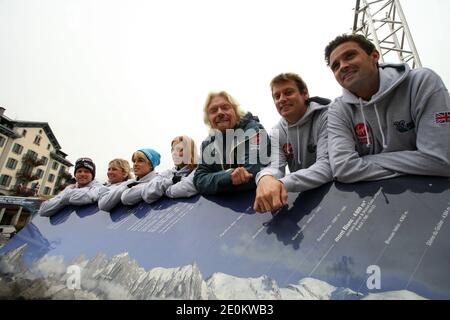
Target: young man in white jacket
x: 298, y: 141
x: 86, y: 190
x: 390, y: 120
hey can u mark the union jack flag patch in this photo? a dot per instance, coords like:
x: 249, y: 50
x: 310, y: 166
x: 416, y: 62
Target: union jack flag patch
x: 442, y: 117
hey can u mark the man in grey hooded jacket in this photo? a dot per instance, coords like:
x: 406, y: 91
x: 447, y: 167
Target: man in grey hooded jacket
x: 299, y: 140
x: 390, y: 120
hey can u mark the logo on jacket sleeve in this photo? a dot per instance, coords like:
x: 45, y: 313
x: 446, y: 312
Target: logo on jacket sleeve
x: 442, y: 117
x: 403, y: 127
x: 362, y: 133
x: 288, y: 151
x: 256, y: 140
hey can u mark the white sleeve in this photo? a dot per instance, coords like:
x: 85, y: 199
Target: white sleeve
x: 133, y: 195
x: 155, y: 189
x: 183, y: 189
x: 82, y: 196
x: 111, y: 198
x: 50, y: 207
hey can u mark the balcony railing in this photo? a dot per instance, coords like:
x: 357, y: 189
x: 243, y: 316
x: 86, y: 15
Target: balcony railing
x: 33, y: 160
x: 23, y: 192
x: 27, y: 176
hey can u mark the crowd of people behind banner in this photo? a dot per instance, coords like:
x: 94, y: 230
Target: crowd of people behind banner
x: 390, y: 121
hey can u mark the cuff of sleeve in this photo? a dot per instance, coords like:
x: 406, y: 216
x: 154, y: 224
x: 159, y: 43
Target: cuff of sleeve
x: 260, y: 175
x: 167, y: 182
x: 287, y: 184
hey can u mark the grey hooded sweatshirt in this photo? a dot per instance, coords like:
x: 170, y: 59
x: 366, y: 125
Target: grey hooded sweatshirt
x: 303, y: 147
x: 403, y: 129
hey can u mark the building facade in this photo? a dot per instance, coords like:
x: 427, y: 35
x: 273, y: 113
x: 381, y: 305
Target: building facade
x: 31, y: 160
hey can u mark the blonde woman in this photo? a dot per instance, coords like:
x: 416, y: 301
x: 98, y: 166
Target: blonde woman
x: 144, y: 163
x: 119, y: 173
x: 129, y: 193
x: 177, y: 182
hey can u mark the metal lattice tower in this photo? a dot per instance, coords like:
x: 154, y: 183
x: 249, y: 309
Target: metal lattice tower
x: 383, y: 22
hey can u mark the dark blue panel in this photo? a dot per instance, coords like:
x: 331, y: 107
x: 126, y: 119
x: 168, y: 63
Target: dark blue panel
x: 320, y: 246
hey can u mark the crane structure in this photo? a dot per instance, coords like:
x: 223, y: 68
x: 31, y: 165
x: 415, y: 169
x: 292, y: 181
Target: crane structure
x: 384, y: 23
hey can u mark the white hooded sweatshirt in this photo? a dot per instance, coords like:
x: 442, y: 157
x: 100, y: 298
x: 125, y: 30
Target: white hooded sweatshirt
x: 72, y: 196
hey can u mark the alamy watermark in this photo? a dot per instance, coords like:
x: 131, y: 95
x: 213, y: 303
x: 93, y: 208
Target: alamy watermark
x: 74, y: 279
x: 374, y: 280
x: 241, y: 147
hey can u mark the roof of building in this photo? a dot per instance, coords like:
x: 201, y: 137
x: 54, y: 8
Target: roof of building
x: 7, y: 128
x: 43, y: 125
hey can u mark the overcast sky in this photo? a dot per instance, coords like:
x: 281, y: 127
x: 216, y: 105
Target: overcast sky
x: 111, y: 77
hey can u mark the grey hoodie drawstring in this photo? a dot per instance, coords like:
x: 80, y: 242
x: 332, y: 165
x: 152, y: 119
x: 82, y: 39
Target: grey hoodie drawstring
x: 298, y: 147
x: 365, y: 123
x: 379, y: 126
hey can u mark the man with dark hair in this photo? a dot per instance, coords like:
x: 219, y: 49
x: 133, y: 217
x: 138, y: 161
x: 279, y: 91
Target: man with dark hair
x: 390, y: 120
x: 298, y: 141
x: 86, y: 190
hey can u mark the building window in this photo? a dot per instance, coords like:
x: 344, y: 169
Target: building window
x: 17, y: 148
x: 39, y: 173
x: 24, y: 133
x: 26, y: 168
x: 32, y: 154
x: 5, y: 180
x: 11, y: 163
x: 55, y: 165
x: 45, y: 160
x: 40, y: 131
x: 48, y: 147
x: 47, y: 191
x: 37, y: 140
x: 51, y: 178
x: 2, y: 141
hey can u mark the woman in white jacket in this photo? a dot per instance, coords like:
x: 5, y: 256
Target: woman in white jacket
x: 86, y: 190
x: 144, y: 162
x: 119, y: 174
x: 177, y: 182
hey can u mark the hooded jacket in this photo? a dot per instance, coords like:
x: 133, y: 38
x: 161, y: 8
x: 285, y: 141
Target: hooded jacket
x: 163, y: 185
x: 111, y: 198
x: 132, y: 192
x: 303, y: 147
x: 220, y: 155
x: 403, y: 129
x: 72, y: 196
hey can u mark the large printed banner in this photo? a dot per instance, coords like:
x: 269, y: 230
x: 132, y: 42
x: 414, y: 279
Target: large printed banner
x: 388, y: 239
